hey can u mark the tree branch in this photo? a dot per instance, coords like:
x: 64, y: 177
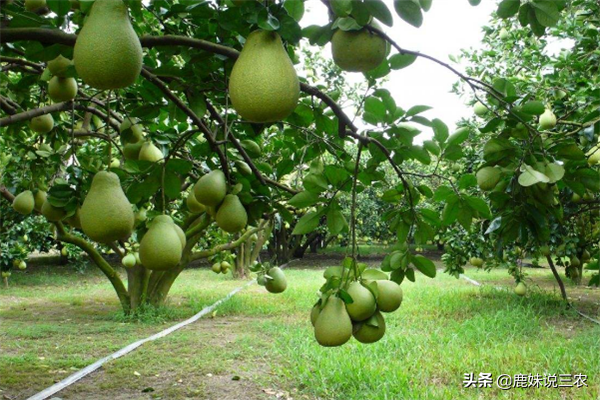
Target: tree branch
x: 228, y: 246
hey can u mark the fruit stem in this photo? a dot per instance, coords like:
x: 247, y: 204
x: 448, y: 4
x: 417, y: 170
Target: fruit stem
x: 353, y: 209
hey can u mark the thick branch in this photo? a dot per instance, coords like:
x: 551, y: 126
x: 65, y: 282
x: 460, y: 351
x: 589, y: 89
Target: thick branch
x: 228, y: 246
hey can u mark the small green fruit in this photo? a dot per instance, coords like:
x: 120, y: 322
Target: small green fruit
x: 211, y: 189
x: 22, y: 265
x: 62, y: 89
x: 520, y: 289
x: 52, y: 214
x: 390, y: 296
x: 503, y: 35
x: 194, y: 205
x: 24, y: 203
x: 42, y: 124
x: 366, y: 332
x: 40, y: 197
x: 63, y: 252
x: 575, y: 262
x: 131, y: 130
x: 488, y: 178
x: 547, y: 120
x: 364, y: 305
x: 216, y: 268
x: 59, y: 66
x: 115, y: 163
x: 149, y: 152
x: 278, y: 283
x: 232, y: 216
x: 358, y: 51
x: 545, y: 251
x: 480, y: 110
x: 129, y: 261
x: 333, y: 326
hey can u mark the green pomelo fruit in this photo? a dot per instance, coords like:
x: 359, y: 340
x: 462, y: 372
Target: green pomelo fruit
x: 194, y: 205
x: 59, y: 66
x: 62, y: 89
x: 131, y: 151
x: 366, y: 332
x: 149, y: 152
x: 24, y: 203
x: 128, y: 261
x: 161, y: 247
x: 547, y: 120
x: 106, y: 214
x: 232, y: 216
x: 520, y: 289
x: 211, y: 189
x: 278, y: 283
x: 390, y: 296
x: 42, y: 124
x: 131, y: 131
x: 216, y: 268
x: 480, y: 110
x: 333, y: 326
x: 108, y: 53
x: 52, y: 213
x: 40, y: 197
x: 252, y: 148
x: 263, y: 85
x: 358, y: 51
x: 364, y: 305
x: 488, y: 178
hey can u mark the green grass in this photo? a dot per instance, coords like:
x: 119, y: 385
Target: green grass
x: 55, y: 322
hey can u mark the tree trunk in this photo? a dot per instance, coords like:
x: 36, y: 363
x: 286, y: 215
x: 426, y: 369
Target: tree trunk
x: 563, y: 292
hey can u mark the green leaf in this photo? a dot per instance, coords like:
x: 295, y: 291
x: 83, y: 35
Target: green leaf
x: 60, y: 7
x: 530, y: 176
x: 307, y: 223
x: 374, y: 275
x: 294, y: 8
x: 267, y: 21
x: 533, y: 108
x: 379, y: 10
x: 341, y: 8
x: 458, y: 137
x: 336, y: 221
x: 440, y: 130
x: 554, y: 172
x: 425, y: 4
x: 318, y: 35
x: 425, y: 265
x: 303, y: 199
x: 508, y: 8
x: 546, y: 12
x: 480, y: 206
x: 410, y: 11
x: 417, y: 110
x: 442, y: 193
x: 399, y: 61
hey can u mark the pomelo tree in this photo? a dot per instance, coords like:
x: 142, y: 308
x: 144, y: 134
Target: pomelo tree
x: 200, y: 147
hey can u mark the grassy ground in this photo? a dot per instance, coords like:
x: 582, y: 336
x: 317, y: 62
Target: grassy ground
x: 261, y: 346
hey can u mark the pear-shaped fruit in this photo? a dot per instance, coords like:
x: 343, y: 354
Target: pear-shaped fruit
x: 314, y: 313
x: 333, y: 326
x: 40, y: 197
x: 180, y: 234
x: 389, y: 298
x: 243, y: 168
x: 503, y: 35
x: 106, y: 214
x: 480, y: 110
x: 131, y: 151
x: 594, y: 155
x: 33, y: 5
x: 263, y: 85
x: 252, y: 148
x: 59, y: 66
x: 225, y: 267
x: 24, y: 203
x: 128, y: 261
x: 547, y: 120
x: 371, y: 330
x: 161, y: 247
x: 358, y: 51
x: 232, y: 216
x: 131, y: 131
x: 53, y: 214
x: 278, y: 283
x: 42, y: 124
x: 521, y: 289
x: 488, y: 178
x: 476, y: 262
x: 22, y: 265
x: 149, y: 152
x: 363, y: 305
x: 585, y: 256
x: 575, y: 262
x: 216, y: 268
x: 108, y: 53
x: 194, y: 205
x: 62, y: 89
x: 211, y: 189
x: 115, y: 163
